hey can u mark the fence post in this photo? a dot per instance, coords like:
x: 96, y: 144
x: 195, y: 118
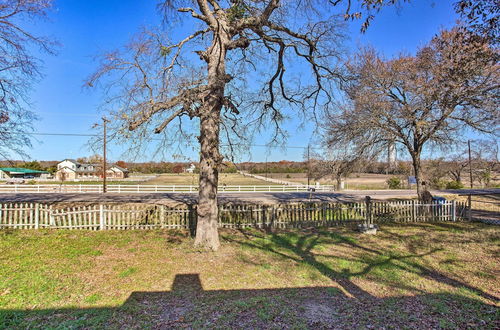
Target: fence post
x: 52, y: 220
x: 413, y: 211
x: 368, y: 202
x: 37, y: 215
x: 162, y: 216
x: 469, y: 206
x: 454, y: 211
x: 102, y: 223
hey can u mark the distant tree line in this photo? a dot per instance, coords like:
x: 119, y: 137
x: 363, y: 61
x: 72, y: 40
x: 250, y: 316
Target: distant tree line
x: 440, y: 173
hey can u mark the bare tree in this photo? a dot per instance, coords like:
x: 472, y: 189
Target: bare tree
x: 18, y: 69
x: 253, y: 57
x: 485, y: 161
x: 341, y: 160
x: 458, y: 165
x: 435, y: 172
x: 430, y: 99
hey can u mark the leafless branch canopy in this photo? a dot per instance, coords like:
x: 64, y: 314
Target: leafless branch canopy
x: 434, y: 98
x: 18, y: 69
x: 266, y: 56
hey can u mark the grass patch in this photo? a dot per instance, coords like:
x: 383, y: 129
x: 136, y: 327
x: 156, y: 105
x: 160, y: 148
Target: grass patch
x: 127, y: 272
x: 284, y: 279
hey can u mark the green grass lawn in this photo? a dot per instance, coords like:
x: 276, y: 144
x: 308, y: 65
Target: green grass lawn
x: 411, y: 276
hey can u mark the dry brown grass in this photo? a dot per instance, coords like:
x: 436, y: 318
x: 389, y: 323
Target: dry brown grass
x: 354, y: 181
x: 230, y: 179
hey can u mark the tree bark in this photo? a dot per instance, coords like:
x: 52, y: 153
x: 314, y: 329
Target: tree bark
x: 339, y: 182
x: 207, y: 235
x: 417, y: 168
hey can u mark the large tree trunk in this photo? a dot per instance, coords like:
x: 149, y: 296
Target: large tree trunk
x: 207, y: 235
x: 417, y: 168
x: 339, y: 182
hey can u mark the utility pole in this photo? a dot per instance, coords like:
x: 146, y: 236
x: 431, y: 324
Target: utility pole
x: 104, y: 121
x: 469, y: 199
x: 308, y: 167
x: 470, y: 166
x: 266, y: 167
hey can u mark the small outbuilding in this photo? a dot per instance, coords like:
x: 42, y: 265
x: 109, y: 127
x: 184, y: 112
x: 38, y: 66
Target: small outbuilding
x: 117, y: 172
x: 22, y: 173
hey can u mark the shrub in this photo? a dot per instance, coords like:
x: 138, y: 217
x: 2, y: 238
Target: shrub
x: 454, y: 185
x: 288, y: 176
x: 231, y: 169
x: 394, y: 182
x: 437, y: 184
x: 178, y: 169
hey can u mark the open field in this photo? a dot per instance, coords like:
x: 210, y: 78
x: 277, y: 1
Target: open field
x: 229, y: 179
x: 355, y: 181
x: 95, y: 182
x: 420, y: 275
x: 365, y: 181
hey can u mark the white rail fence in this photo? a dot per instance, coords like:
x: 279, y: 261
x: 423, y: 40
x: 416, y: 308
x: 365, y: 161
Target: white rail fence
x: 265, y: 178
x: 128, y: 189
x: 144, y: 216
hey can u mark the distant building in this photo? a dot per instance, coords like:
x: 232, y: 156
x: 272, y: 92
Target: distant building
x: 191, y: 168
x: 70, y: 169
x: 117, y: 172
x: 22, y: 173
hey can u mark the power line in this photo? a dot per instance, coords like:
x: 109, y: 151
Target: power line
x: 223, y: 145
x: 67, y: 114
x: 55, y: 134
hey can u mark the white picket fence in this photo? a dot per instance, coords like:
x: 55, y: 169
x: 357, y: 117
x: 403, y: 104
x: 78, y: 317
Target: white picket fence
x: 128, y: 189
x: 292, y: 215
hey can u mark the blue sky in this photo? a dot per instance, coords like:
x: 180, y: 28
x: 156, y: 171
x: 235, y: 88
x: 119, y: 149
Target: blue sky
x: 86, y: 28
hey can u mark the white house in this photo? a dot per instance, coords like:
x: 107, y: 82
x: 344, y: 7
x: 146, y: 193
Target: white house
x: 70, y: 169
x: 190, y: 169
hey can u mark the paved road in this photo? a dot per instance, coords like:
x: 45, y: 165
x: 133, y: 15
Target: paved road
x: 264, y: 197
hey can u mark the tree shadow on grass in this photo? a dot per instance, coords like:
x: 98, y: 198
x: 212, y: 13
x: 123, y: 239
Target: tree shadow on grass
x: 299, y: 249
x: 188, y: 305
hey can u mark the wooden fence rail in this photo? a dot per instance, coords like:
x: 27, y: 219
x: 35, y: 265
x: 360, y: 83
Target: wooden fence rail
x: 137, y: 188
x: 143, y: 216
